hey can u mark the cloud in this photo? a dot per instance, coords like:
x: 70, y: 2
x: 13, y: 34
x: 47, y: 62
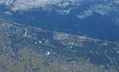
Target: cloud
x: 102, y: 7
x: 29, y: 4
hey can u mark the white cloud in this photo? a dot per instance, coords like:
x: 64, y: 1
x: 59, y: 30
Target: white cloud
x: 85, y: 14
x: 28, y: 4
x: 6, y: 2
x: 1, y: 1
x: 101, y: 7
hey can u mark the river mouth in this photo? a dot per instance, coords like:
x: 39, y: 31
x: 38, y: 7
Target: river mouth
x: 95, y: 26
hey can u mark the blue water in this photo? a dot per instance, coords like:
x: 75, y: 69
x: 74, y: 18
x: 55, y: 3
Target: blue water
x: 95, y: 26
